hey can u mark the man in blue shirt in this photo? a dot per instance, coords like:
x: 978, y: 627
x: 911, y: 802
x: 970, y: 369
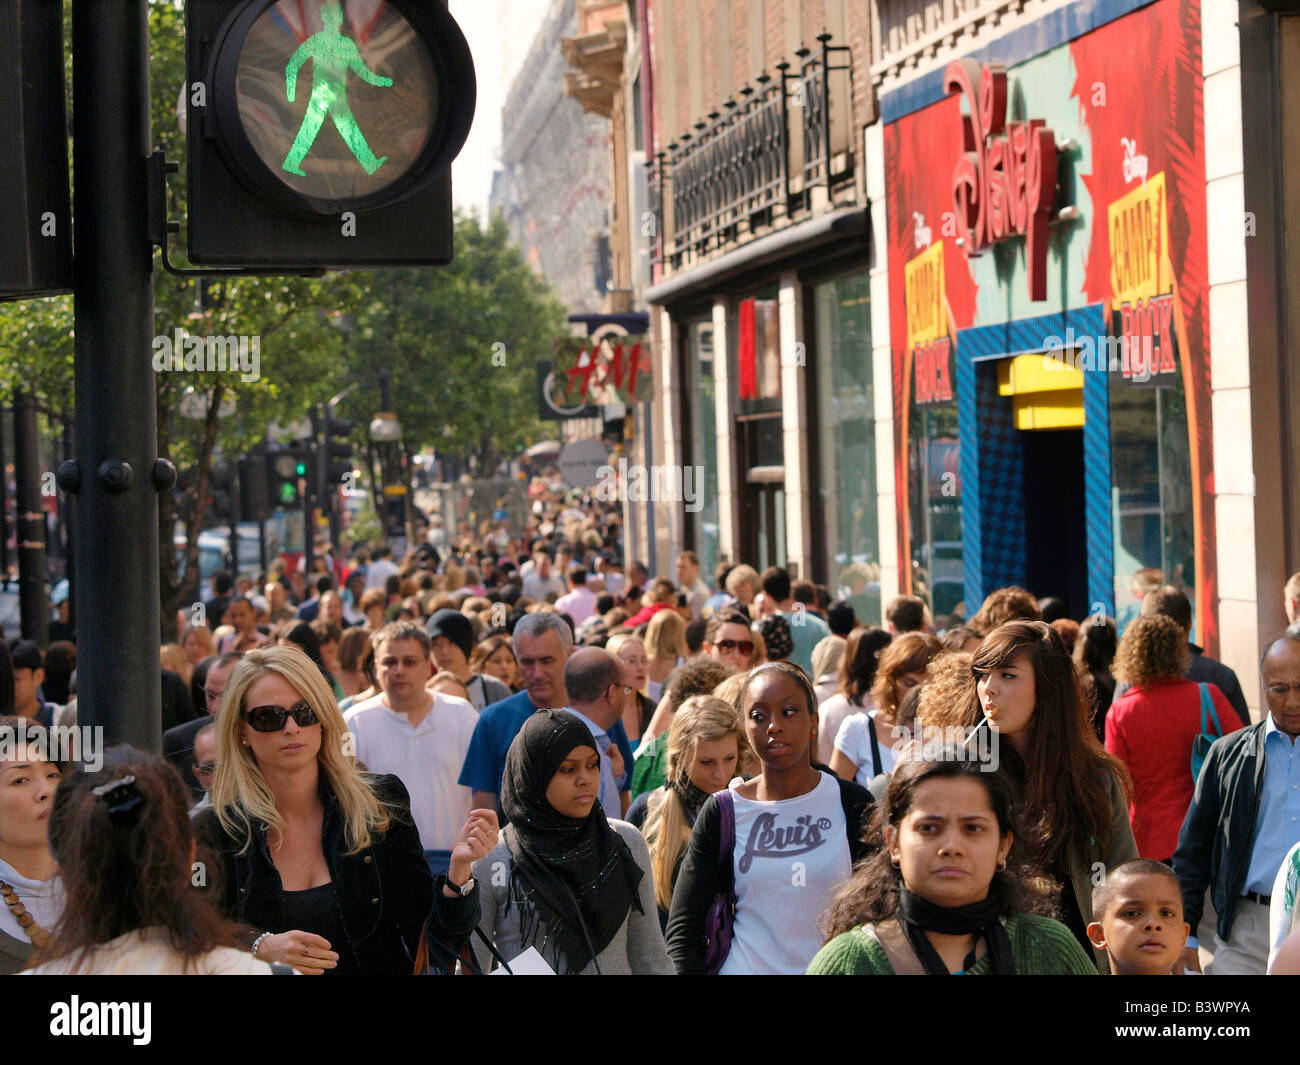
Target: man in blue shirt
x: 543, y: 643
x: 594, y: 680
x: 1243, y: 820
x: 806, y: 628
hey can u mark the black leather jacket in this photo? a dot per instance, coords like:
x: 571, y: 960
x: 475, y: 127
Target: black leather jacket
x: 385, y: 893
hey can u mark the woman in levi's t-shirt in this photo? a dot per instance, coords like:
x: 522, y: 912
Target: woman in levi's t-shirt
x: 798, y: 831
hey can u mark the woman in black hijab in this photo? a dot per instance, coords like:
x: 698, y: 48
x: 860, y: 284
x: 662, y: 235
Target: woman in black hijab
x: 576, y: 886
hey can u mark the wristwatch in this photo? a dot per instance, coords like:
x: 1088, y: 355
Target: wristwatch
x: 462, y: 889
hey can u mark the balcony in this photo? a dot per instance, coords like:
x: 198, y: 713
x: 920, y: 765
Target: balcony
x: 753, y: 165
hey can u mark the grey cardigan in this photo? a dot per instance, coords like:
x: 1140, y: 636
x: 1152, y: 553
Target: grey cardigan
x: 637, y: 948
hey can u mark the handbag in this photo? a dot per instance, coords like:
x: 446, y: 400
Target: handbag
x: 1204, y: 739
x: 469, y: 963
x: 720, y: 921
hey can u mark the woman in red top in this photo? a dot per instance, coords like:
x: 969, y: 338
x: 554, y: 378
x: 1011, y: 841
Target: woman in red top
x: 1152, y: 727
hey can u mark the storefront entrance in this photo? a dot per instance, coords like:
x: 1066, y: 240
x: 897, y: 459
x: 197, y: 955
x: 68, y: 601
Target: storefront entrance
x: 1055, y: 559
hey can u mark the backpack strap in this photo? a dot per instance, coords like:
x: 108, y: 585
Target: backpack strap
x: 876, y: 767
x: 1207, y: 707
x: 891, y: 937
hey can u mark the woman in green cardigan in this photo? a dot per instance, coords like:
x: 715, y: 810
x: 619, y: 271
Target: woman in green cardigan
x: 940, y: 897
x: 1073, y: 795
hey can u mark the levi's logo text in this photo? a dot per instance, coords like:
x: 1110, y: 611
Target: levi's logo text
x: 767, y: 839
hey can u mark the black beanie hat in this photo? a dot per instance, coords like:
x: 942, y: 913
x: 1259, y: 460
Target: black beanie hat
x: 455, y: 626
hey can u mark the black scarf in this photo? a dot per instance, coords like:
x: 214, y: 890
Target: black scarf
x: 692, y: 796
x: 980, y: 919
x: 575, y: 873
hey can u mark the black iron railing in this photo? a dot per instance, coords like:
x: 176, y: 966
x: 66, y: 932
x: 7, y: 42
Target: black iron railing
x: 731, y: 174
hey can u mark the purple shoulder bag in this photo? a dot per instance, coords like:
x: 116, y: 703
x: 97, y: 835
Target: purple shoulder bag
x: 721, y: 918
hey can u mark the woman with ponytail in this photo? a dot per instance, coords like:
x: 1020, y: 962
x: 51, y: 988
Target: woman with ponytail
x: 706, y: 748
x: 946, y: 893
x: 124, y: 844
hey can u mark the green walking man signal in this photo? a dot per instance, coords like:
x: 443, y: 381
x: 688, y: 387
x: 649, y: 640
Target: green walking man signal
x: 334, y: 55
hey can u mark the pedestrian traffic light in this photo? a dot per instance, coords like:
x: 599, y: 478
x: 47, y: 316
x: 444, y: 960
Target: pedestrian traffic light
x: 321, y: 133
x: 36, y: 223
x: 284, y: 471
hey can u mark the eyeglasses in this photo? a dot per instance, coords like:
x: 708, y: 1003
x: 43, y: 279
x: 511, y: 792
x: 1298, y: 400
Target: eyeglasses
x: 206, y: 768
x: 745, y: 647
x: 213, y: 695
x: 626, y: 689
x: 1279, y: 691
x: 273, y: 718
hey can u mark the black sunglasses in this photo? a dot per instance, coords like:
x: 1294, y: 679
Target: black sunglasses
x: 273, y: 718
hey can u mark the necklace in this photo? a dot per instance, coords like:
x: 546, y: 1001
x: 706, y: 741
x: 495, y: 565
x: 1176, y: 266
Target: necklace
x: 35, y: 932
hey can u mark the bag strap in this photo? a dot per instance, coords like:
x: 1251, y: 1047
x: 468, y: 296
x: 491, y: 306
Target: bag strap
x: 466, y: 955
x: 876, y: 767
x: 727, y: 842
x: 902, y: 958
x: 1207, y: 705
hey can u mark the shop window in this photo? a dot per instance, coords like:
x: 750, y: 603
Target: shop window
x: 758, y: 354
x: 934, y: 495
x: 846, y: 445
x: 1151, y: 491
x: 702, y: 446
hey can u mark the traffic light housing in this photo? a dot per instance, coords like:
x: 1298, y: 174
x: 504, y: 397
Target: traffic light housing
x: 253, y: 489
x: 285, y: 471
x: 292, y: 164
x: 221, y: 495
x: 36, y: 223
x: 334, y: 456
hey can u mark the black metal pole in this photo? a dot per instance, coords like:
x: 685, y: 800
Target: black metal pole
x: 116, y: 423
x: 33, y: 602
x: 4, y: 506
x: 68, y: 510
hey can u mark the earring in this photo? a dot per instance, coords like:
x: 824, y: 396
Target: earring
x: 894, y: 861
x: 1002, y: 865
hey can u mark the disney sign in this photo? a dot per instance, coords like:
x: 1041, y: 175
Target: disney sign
x: 1004, y: 184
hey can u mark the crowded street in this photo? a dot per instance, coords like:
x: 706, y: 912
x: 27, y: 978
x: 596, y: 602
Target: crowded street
x: 650, y: 487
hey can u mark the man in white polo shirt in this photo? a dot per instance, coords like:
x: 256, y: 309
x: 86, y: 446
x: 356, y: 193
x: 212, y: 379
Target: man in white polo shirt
x: 418, y: 735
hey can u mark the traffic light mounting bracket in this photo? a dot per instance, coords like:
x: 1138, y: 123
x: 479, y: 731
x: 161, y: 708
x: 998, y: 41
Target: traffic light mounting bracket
x: 161, y: 227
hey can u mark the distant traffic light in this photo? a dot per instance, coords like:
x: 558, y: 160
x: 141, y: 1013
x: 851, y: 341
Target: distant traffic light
x: 222, y: 494
x: 285, y: 470
x: 321, y: 134
x: 254, y: 489
x: 334, y: 456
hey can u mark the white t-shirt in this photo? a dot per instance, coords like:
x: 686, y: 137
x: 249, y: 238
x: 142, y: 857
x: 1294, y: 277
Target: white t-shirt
x: 148, y: 952
x: 830, y: 716
x: 1283, y: 914
x: 427, y: 758
x: 378, y: 572
x: 789, y: 858
x: 537, y: 587
x: 43, y: 899
x: 854, y: 742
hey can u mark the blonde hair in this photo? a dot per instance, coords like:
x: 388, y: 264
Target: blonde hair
x: 439, y: 681
x: 173, y: 657
x: 240, y: 793
x: 729, y: 690
x: 700, y: 719
x: 615, y: 642
x: 742, y: 574
x: 665, y: 636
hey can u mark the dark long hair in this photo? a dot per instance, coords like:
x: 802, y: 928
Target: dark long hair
x: 871, y: 894
x: 862, y: 650
x: 126, y: 860
x: 1062, y: 773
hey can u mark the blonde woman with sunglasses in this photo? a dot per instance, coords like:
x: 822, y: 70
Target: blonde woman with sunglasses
x: 322, y: 860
